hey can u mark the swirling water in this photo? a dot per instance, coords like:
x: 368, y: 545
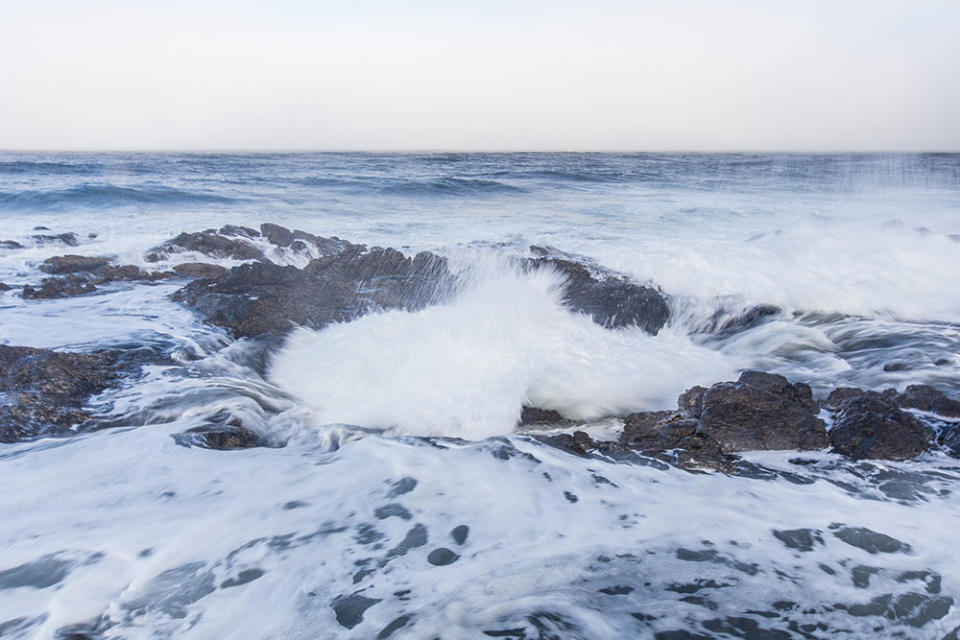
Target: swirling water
x: 359, y: 526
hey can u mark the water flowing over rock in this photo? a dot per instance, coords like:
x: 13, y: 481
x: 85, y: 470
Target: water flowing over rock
x: 43, y: 392
x: 611, y: 299
x: 75, y: 275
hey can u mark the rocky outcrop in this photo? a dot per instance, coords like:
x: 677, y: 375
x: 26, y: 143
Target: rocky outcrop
x: 611, y: 300
x: 259, y: 298
x: 926, y: 398
x: 759, y: 411
x: 200, y: 270
x: 243, y: 243
x: 873, y: 426
x: 79, y: 275
x: 43, y: 392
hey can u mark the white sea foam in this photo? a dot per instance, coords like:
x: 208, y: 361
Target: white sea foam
x: 467, y: 367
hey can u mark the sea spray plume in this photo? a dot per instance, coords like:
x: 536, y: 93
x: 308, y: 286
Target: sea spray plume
x: 466, y: 367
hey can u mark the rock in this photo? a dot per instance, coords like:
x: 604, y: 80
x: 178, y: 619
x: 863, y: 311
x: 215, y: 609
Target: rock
x: 223, y: 439
x: 259, y: 298
x: 840, y: 395
x: 4, y: 287
x: 200, y: 270
x: 611, y: 300
x: 656, y: 431
x: 872, y: 426
x: 926, y: 398
x: 752, y: 317
x: 761, y: 411
x: 72, y: 264
x: 10, y: 244
x: 690, y: 402
x: 237, y: 230
x: 69, y: 239
x: 275, y: 234
x: 209, y: 243
x: 50, y: 288
x: 43, y: 391
x: 534, y: 415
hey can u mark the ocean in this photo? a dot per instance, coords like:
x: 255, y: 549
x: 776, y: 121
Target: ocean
x: 398, y: 497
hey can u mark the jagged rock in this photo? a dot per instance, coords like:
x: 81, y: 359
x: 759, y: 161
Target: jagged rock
x: 872, y: 426
x: 259, y: 298
x: 611, y: 300
x: 761, y: 411
x: 927, y: 398
x: 209, y: 243
x: 275, y: 234
x: 238, y: 230
x: 71, y: 285
x: 69, y: 239
x: 200, y: 270
x: 43, y: 391
x: 72, y: 264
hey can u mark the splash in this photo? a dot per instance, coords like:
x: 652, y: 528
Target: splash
x: 466, y: 368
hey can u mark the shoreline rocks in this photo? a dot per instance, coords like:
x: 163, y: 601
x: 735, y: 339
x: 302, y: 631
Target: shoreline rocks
x: 42, y: 392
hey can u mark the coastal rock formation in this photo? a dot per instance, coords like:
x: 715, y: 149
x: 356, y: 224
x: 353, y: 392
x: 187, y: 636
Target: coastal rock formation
x: 74, y: 275
x: 873, y: 426
x: 243, y: 243
x: 258, y: 298
x: 758, y: 411
x: 43, y: 392
x: 611, y: 299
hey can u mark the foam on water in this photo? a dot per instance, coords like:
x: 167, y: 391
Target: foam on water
x: 356, y: 532
x: 466, y: 368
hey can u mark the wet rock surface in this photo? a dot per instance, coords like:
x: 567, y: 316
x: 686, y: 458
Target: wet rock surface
x: 43, y: 392
x: 873, y: 426
x: 611, y: 299
x: 259, y: 298
x: 759, y: 411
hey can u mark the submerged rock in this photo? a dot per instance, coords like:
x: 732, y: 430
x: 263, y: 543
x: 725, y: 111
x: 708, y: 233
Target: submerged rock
x: 43, y: 392
x: 223, y: 438
x: 49, y: 288
x: 69, y: 239
x: 258, y: 298
x: 872, y: 426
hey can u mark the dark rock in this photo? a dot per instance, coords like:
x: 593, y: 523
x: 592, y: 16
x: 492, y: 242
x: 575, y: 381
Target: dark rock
x: 72, y: 264
x: 69, y: 239
x: 200, y: 270
x: 927, y: 398
x: 752, y: 317
x: 871, y: 426
x: 275, y: 234
x: 579, y: 443
x: 259, y: 298
x: 4, y: 287
x: 10, y: 244
x: 896, y: 366
x: 71, y: 285
x: 656, y: 431
x: 226, y: 439
x: 209, y: 243
x: 761, y: 411
x: 690, y: 402
x: 799, y: 539
x: 350, y: 609
x: 44, y: 391
x: 441, y: 557
x: 237, y: 230
x: 460, y: 533
x: 534, y: 415
x: 841, y: 394
x: 612, y: 300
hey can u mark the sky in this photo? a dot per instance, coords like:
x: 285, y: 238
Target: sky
x: 605, y: 75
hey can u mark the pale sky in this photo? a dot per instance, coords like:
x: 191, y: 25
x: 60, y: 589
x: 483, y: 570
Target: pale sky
x: 484, y: 75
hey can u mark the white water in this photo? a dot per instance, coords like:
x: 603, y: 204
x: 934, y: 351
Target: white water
x: 152, y: 539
